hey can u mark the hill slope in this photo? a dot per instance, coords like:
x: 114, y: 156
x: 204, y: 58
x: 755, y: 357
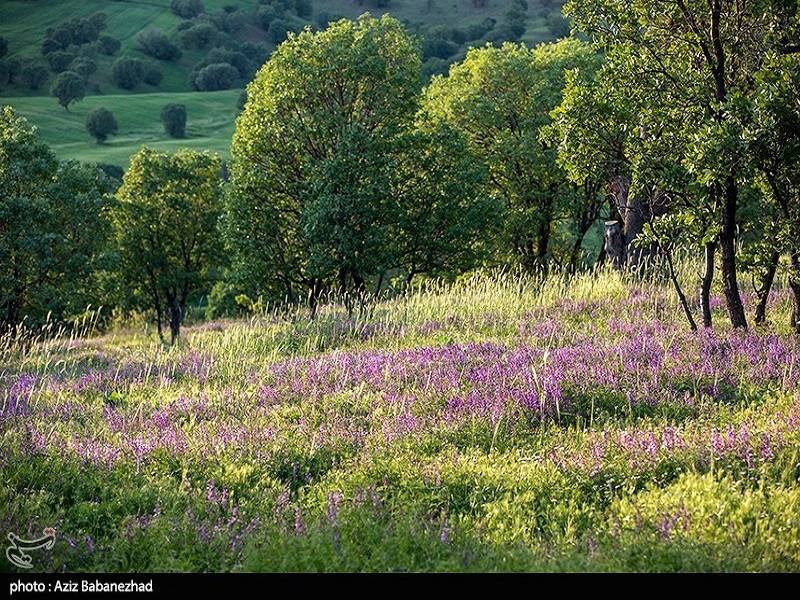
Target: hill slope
x: 46, y: 37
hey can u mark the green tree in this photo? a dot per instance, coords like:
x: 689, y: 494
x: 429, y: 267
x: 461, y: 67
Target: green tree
x: 68, y: 87
x: 689, y: 69
x: 52, y: 229
x: 166, y: 227
x: 501, y: 99
x: 174, y: 119
x: 311, y: 154
x: 155, y: 43
x: 34, y: 75
x: 128, y: 72
x: 100, y: 123
x: 775, y: 149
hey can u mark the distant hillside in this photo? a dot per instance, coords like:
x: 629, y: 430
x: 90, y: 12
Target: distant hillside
x: 177, y: 39
x: 126, y: 48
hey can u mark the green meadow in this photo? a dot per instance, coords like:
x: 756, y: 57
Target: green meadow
x: 210, y: 122
x: 499, y: 424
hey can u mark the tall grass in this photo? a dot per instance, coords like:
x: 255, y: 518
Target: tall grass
x: 498, y: 423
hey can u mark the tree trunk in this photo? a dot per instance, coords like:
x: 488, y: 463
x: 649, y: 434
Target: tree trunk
x: 727, y: 242
x: 175, y: 319
x: 705, y: 283
x: 762, y: 292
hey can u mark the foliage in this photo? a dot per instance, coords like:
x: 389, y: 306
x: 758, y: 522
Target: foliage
x: 336, y: 100
x: 68, y: 87
x: 500, y: 98
x: 174, y: 118
x: 166, y: 231
x: 155, y: 43
x: 52, y: 230
x: 128, y: 71
x: 695, y: 65
x: 188, y: 9
x: 216, y: 76
x: 101, y: 123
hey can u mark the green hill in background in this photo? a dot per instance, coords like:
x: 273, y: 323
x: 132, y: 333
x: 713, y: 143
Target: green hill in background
x: 202, y: 53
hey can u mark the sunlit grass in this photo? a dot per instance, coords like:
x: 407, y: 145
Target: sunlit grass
x: 500, y: 423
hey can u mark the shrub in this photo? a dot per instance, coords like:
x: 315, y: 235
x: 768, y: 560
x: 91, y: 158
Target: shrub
x: 188, y: 9
x: 155, y: 43
x: 60, y: 60
x: 152, y: 75
x: 34, y: 75
x: 218, y: 76
x: 83, y: 66
x: 100, y: 123
x: 200, y: 36
x: 128, y: 72
x: 174, y: 118
x: 109, y: 45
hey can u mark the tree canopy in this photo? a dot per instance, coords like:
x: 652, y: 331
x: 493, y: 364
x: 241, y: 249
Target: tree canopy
x: 165, y: 223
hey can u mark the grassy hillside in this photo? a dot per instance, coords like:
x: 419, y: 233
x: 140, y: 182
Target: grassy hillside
x: 24, y: 25
x: 210, y: 120
x: 503, y: 424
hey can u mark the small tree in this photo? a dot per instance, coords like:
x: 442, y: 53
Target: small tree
x: 188, y: 9
x: 166, y: 230
x: 128, y: 72
x: 100, y: 123
x: 68, y: 88
x: 155, y: 43
x: 219, y: 76
x: 174, y: 118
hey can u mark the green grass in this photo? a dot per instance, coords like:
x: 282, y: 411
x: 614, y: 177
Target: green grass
x: 210, y: 122
x: 210, y: 116
x: 397, y: 440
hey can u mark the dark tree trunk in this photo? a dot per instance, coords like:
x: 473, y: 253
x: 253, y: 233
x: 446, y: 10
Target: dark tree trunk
x: 705, y: 283
x: 727, y: 240
x: 676, y: 284
x: 762, y: 291
x: 175, y: 320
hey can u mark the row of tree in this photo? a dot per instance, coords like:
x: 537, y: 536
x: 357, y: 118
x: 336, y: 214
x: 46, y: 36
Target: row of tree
x: 348, y: 177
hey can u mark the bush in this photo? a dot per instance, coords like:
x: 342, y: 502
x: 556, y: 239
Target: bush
x: 3, y: 47
x: 218, y: 76
x: 188, y: 9
x: 60, y: 60
x: 266, y: 15
x: 109, y: 45
x: 174, y: 118
x: 68, y: 87
x: 199, y: 35
x: 303, y: 8
x: 100, y: 123
x: 233, y: 58
x: 34, y: 75
x: 156, y: 44
x: 152, y: 75
x: 83, y: 66
x: 128, y: 72
x: 438, y: 48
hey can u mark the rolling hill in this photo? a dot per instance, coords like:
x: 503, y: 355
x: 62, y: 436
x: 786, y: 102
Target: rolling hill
x: 40, y: 39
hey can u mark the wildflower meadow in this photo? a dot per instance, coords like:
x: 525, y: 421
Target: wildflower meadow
x: 496, y: 424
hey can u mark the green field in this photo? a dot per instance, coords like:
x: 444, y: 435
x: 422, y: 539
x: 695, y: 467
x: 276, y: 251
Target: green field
x: 500, y: 425
x: 210, y: 121
x: 210, y: 116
